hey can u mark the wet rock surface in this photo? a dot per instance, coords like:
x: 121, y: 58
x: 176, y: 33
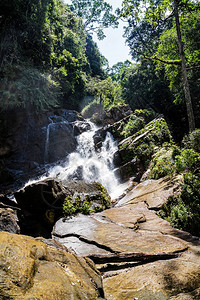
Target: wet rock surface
x: 41, y: 203
x: 139, y: 254
x: 43, y: 269
x: 34, y: 139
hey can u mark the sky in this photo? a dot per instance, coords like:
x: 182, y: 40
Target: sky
x: 113, y: 46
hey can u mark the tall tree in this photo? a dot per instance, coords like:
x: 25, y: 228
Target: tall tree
x: 188, y: 100
x: 157, y: 13
x: 96, y: 15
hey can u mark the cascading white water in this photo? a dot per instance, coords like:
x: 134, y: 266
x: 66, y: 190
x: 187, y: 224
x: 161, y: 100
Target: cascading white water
x: 88, y: 164
x: 46, y: 151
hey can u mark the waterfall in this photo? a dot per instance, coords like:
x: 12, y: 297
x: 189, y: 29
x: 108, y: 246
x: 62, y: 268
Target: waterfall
x: 89, y: 164
x: 46, y: 151
x: 59, y: 139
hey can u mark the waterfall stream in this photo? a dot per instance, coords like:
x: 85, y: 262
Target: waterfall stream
x: 89, y: 164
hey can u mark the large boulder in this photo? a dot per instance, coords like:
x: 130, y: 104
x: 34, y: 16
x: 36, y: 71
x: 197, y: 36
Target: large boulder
x: 43, y: 202
x: 9, y: 220
x: 43, y: 269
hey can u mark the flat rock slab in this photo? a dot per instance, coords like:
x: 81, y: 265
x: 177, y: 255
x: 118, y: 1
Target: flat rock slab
x: 154, y: 192
x: 112, y: 237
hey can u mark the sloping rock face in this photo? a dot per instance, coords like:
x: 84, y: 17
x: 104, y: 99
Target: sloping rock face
x: 43, y: 269
x: 137, y: 144
x: 139, y: 254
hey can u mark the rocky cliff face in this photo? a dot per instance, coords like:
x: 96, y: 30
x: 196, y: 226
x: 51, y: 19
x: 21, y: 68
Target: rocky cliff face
x: 32, y: 139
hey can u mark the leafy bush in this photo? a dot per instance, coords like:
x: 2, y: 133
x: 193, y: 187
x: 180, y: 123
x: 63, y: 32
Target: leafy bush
x: 183, y: 210
x: 73, y: 206
x: 92, y: 108
x: 146, y: 114
x: 29, y: 86
x: 68, y: 206
x: 134, y: 124
x: 162, y: 164
x: 177, y: 213
x: 192, y: 141
x: 107, y: 92
x: 188, y: 160
x: 143, y: 144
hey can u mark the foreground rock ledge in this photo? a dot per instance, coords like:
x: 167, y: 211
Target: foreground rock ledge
x: 139, y: 254
x: 32, y: 269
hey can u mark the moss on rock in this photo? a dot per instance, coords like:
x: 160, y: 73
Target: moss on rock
x: 143, y: 144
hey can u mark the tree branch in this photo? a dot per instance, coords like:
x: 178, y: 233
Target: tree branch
x: 169, y: 62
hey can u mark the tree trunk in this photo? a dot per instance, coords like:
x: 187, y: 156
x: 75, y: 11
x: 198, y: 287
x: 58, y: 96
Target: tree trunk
x: 188, y: 100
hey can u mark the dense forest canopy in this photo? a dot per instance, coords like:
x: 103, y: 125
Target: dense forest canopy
x: 48, y: 57
x: 164, y: 34
x: 45, y: 55
x: 48, y: 60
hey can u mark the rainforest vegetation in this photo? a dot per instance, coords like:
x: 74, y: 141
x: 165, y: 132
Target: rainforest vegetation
x: 48, y: 59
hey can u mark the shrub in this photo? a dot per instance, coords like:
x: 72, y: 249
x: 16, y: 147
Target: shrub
x: 92, y: 108
x: 134, y: 124
x: 177, y: 213
x: 28, y: 86
x: 183, y: 210
x: 192, y: 141
x: 145, y: 142
x: 146, y: 114
x: 163, y: 164
x: 68, y: 206
x: 188, y: 160
x: 72, y: 206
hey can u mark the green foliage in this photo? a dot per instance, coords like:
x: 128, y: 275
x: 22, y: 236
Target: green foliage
x: 188, y: 160
x: 146, y: 114
x: 95, y: 59
x: 177, y: 213
x: 143, y: 144
x: 192, y: 141
x: 96, y: 14
x: 183, y: 210
x: 87, y: 203
x: 172, y: 160
x: 68, y: 206
x: 106, y: 92
x: 29, y: 87
x: 104, y: 197
x: 90, y: 109
x: 144, y: 87
x: 168, y: 50
x: 163, y: 163
x: 44, y: 44
x: 116, y: 72
x: 134, y: 124
x: 151, y: 35
x: 73, y: 206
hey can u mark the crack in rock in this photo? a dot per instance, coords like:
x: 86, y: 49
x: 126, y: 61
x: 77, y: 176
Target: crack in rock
x: 83, y: 239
